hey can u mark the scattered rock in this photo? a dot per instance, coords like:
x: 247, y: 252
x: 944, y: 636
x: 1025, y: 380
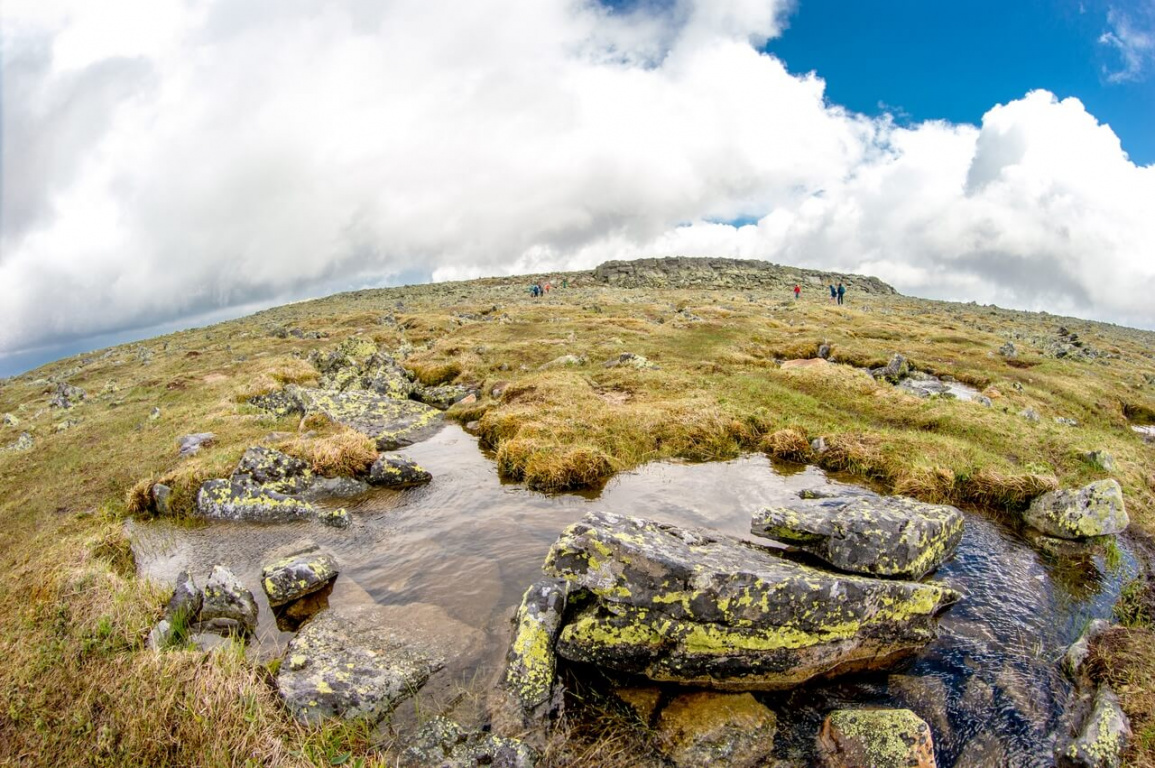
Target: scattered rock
x: 701, y: 608
x: 336, y: 518
x: 22, y: 443
x: 227, y: 607
x: 1076, y: 654
x: 824, y: 351
x: 1066, y: 422
x: 391, y: 422
x: 1008, y: 350
x: 889, y: 536
x: 894, y: 371
x: 185, y: 603
x: 9, y: 420
x: 875, y: 738
x: 1102, y: 737
x: 1100, y: 460
x: 530, y: 663
x: 442, y: 743
x: 818, y: 445
x: 160, y: 636
x: 1147, y: 433
x: 924, y: 385
x: 444, y: 396
x: 190, y: 445
x: 273, y: 471
x: 154, y: 414
x: 291, y: 578
x: 66, y: 396
x: 333, y: 487
x: 1030, y: 414
x: 630, y: 360
x: 731, y: 729
x: 1094, y: 510
x: 161, y: 494
x: 565, y: 361
x: 397, y: 471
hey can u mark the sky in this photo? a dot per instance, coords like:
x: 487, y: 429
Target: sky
x: 167, y: 163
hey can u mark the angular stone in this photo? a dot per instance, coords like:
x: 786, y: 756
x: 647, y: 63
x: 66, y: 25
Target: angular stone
x: 291, y: 578
x: 1095, y: 510
x: 706, y: 609
x: 227, y: 606
x: 392, y: 423
x: 1102, y: 737
x: 160, y: 498
x: 894, y: 371
x: 1076, y: 654
x: 185, y: 603
x: 160, y: 636
x: 445, y: 744
x: 531, y: 664
x: 66, y: 396
x: 273, y: 471
x: 190, y: 445
x: 731, y: 729
x: 442, y: 397
x: 227, y: 500
x: 1100, y: 460
x: 875, y: 738
x: 353, y: 663
x: 385, y: 376
x: 336, y: 518
x: 890, y: 536
x: 397, y: 471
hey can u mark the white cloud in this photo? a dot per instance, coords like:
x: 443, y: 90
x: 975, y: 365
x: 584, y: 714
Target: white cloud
x: 1133, y: 41
x: 268, y: 149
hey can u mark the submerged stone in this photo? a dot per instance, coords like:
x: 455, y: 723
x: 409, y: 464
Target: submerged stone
x: 706, y: 609
x: 397, y: 471
x: 353, y: 663
x: 875, y: 738
x: 273, y: 471
x: 227, y: 606
x: 530, y: 672
x: 890, y: 536
x: 445, y: 744
x: 291, y: 578
x: 1096, y: 509
x: 731, y: 729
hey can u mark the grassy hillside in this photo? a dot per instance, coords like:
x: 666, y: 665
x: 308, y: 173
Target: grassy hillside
x: 78, y: 686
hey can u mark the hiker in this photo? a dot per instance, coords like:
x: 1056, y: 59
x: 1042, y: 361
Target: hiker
x: 797, y: 292
x: 547, y: 286
x: 565, y: 282
x: 841, y: 292
x: 833, y: 294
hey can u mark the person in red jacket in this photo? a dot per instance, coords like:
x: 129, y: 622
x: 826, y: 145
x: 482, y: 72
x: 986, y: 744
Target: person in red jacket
x: 797, y: 292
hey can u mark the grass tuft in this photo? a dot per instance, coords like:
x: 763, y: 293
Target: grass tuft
x: 789, y: 444
x: 345, y: 453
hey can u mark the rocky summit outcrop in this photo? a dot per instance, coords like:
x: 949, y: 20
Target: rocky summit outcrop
x: 890, y: 536
x: 397, y: 471
x: 875, y: 738
x: 685, y: 272
x: 706, y: 609
x: 1096, y: 509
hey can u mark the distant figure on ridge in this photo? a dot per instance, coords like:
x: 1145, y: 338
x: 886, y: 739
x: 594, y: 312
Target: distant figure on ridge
x: 833, y: 294
x: 841, y: 292
x: 797, y: 291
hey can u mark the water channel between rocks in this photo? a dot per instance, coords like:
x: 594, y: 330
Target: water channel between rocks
x: 466, y: 547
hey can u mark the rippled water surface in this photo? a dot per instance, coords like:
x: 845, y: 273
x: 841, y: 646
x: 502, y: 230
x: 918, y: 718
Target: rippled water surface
x: 466, y: 547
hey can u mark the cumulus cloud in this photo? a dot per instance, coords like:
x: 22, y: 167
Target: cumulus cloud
x: 182, y: 158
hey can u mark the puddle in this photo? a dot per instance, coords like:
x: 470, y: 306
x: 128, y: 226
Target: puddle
x: 468, y: 545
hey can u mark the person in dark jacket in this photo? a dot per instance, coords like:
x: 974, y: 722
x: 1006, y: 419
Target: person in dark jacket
x: 833, y: 294
x: 841, y: 292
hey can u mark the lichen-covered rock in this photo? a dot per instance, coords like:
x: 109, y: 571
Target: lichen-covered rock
x: 894, y: 371
x: 706, y: 609
x: 531, y: 664
x: 443, y: 396
x: 1076, y: 654
x: 731, y: 729
x: 291, y: 578
x: 1095, y: 510
x: 630, y: 360
x: 875, y: 738
x: 22, y: 443
x: 228, y: 500
x: 889, y: 536
x: 227, y: 607
x: 273, y: 471
x: 336, y: 518
x: 280, y: 403
x: 161, y: 636
x: 924, y: 385
x: 185, y: 603
x: 66, y: 396
x: 391, y: 422
x: 1102, y: 737
x: 397, y: 471
x: 350, y: 664
x: 385, y: 376
x: 442, y: 743
x: 190, y: 445
x: 161, y: 495
x: 1099, y: 459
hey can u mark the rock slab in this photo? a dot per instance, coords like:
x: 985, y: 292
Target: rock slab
x: 227, y: 607
x: 292, y: 577
x: 878, y: 536
x: 397, y: 471
x: 1102, y: 738
x: 700, y: 608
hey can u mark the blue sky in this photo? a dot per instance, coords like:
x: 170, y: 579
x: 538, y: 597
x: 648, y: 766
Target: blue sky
x: 931, y: 60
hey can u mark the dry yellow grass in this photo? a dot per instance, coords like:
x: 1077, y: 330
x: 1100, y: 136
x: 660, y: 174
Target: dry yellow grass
x: 343, y: 453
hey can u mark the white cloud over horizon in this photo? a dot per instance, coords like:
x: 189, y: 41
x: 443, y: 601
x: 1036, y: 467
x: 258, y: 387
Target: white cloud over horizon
x: 165, y: 159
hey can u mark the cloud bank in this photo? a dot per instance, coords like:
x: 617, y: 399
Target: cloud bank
x: 165, y: 159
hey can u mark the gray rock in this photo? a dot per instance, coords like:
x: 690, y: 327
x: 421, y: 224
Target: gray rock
x: 442, y: 743
x: 1102, y: 737
x: 385, y: 376
x: 444, y: 396
x: 818, y: 445
x: 1100, y: 460
x: 333, y: 488
x: 10, y: 420
x: 565, y: 361
x: 705, y: 609
x: 397, y: 471
x: 349, y: 663
x: 1076, y: 654
x: 983, y: 400
x: 1066, y: 422
x: 160, y: 636
x: 894, y: 371
x: 227, y: 607
x: 1008, y: 350
x: 924, y: 386
x: 190, y: 445
x: 1030, y: 414
x: 890, y: 536
x: 531, y: 666
x: 824, y: 351
x: 273, y: 471
x: 391, y: 422
x: 294, y: 576
x: 66, y: 396
x: 334, y: 518
x: 185, y: 603
x: 629, y: 360
x: 1147, y: 433
x: 228, y: 500
x: 730, y: 729
x: 22, y: 443
x: 154, y: 414
x: 161, y: 494
x: 1095, y: 510
x: 878, y: 738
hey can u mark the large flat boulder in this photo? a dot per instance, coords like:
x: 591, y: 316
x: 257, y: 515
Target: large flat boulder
x: 393, y: 423
x: 701, y: 608
x: 1094, y: 510
x: 890, y: 536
